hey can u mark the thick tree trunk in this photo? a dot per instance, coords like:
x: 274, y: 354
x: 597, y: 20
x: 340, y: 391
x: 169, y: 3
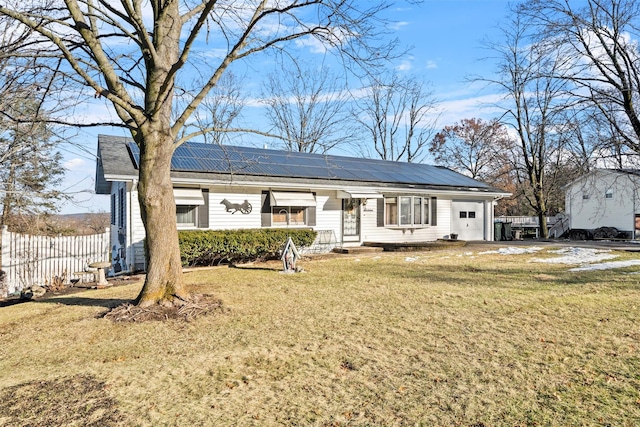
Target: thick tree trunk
x: 164, y: 283
x: 541, y: 211
x: 544, y: 230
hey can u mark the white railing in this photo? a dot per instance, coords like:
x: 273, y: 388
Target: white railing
x: 37, y: 260
x: 559, y: 228
x: 525, y: 221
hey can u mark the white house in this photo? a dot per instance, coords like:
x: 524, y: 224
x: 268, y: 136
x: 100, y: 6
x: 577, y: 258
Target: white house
x: 605, y: 198
x: 352, y: 200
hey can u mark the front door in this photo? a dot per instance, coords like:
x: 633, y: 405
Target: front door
x: 351, y: 220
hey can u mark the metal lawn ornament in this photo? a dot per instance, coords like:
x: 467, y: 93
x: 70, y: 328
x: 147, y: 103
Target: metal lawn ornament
x: 290, y: 257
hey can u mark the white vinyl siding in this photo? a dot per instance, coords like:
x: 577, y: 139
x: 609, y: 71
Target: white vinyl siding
x: 329, y: 213
x: 611, y: 201
x: 220, y: 219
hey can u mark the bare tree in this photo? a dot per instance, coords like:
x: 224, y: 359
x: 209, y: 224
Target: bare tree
x: 142, y: 57
x: 473, y: 147
x: 534, y: 108
x: 220, y: 109
x: 602, y: 61
x: 307, y: 109
x: 399, y: 115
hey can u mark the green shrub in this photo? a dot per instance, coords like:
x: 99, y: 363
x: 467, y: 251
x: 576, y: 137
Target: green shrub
x: 211, y: 247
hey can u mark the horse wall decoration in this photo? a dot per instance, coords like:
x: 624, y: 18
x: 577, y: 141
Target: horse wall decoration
x: 244, y: 207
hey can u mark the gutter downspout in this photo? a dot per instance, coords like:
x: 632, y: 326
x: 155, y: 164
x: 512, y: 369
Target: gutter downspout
x: 492, y: 228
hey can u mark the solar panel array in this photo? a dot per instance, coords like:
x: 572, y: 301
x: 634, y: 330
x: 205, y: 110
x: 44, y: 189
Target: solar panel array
x: 212, y: 158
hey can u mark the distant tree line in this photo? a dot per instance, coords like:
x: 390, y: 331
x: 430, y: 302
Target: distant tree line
x: 30, y: 165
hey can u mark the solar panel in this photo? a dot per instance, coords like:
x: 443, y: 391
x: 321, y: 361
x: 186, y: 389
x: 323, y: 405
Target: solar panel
x: 210, y: 158
x: 134, y: 151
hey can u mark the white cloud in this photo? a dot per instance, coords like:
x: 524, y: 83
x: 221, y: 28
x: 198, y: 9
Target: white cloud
x: 74, y: 164
x: 399, y: 25
x: 479, y: 106
x: 404, y: 66
x: 313, y: 44
x: 431, y: 65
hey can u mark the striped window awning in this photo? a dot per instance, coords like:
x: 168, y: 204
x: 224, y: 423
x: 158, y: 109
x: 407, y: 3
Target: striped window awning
x: 188, y: 196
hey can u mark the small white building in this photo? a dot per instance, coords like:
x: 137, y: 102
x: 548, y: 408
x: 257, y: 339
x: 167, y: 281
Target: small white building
x: 351, y: 200
x: 605, y: 198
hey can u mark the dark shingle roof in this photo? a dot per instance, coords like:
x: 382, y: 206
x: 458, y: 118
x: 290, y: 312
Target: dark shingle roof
x: 120, y: 156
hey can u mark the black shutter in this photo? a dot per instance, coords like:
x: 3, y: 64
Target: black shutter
x: 113, y: 208
x: 203, y: 210
x: 380, y: 212
x: 265, y: 211
x: 434, y: 211
x: 121, y: 200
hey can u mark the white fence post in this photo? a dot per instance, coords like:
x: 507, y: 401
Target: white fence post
x: 36, y: 260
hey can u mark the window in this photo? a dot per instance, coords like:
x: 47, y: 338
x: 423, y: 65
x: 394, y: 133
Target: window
x: 472, y: 214
x: 391, y: 211
x: 406, y: 211
x: 288, y: 215
x: 186, y: 215
x: 288, y: 208
x: 609, y: 194
x: 418, y: 217
x: 463, y: 214
x: 585, y: 197
x: 192, y: 207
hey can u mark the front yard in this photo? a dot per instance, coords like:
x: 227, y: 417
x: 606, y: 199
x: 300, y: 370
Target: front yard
x: 455, y: 337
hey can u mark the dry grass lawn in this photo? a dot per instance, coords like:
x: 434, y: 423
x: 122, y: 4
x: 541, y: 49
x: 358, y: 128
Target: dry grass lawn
x: 440, y: 338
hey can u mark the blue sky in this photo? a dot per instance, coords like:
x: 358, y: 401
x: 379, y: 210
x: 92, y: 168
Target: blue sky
x: 445, y: 37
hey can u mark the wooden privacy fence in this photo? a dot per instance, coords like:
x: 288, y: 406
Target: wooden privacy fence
x: 36, y: 260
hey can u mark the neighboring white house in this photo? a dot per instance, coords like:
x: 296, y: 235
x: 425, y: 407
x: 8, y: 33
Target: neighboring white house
x: 353, y: 200
x: 605, y: 198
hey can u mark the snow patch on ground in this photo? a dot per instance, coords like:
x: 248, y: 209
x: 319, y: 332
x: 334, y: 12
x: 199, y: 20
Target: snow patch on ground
x: 513, y: 251
x: 586, y: 258
x: 607, y: 265
x: 578, y: 256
